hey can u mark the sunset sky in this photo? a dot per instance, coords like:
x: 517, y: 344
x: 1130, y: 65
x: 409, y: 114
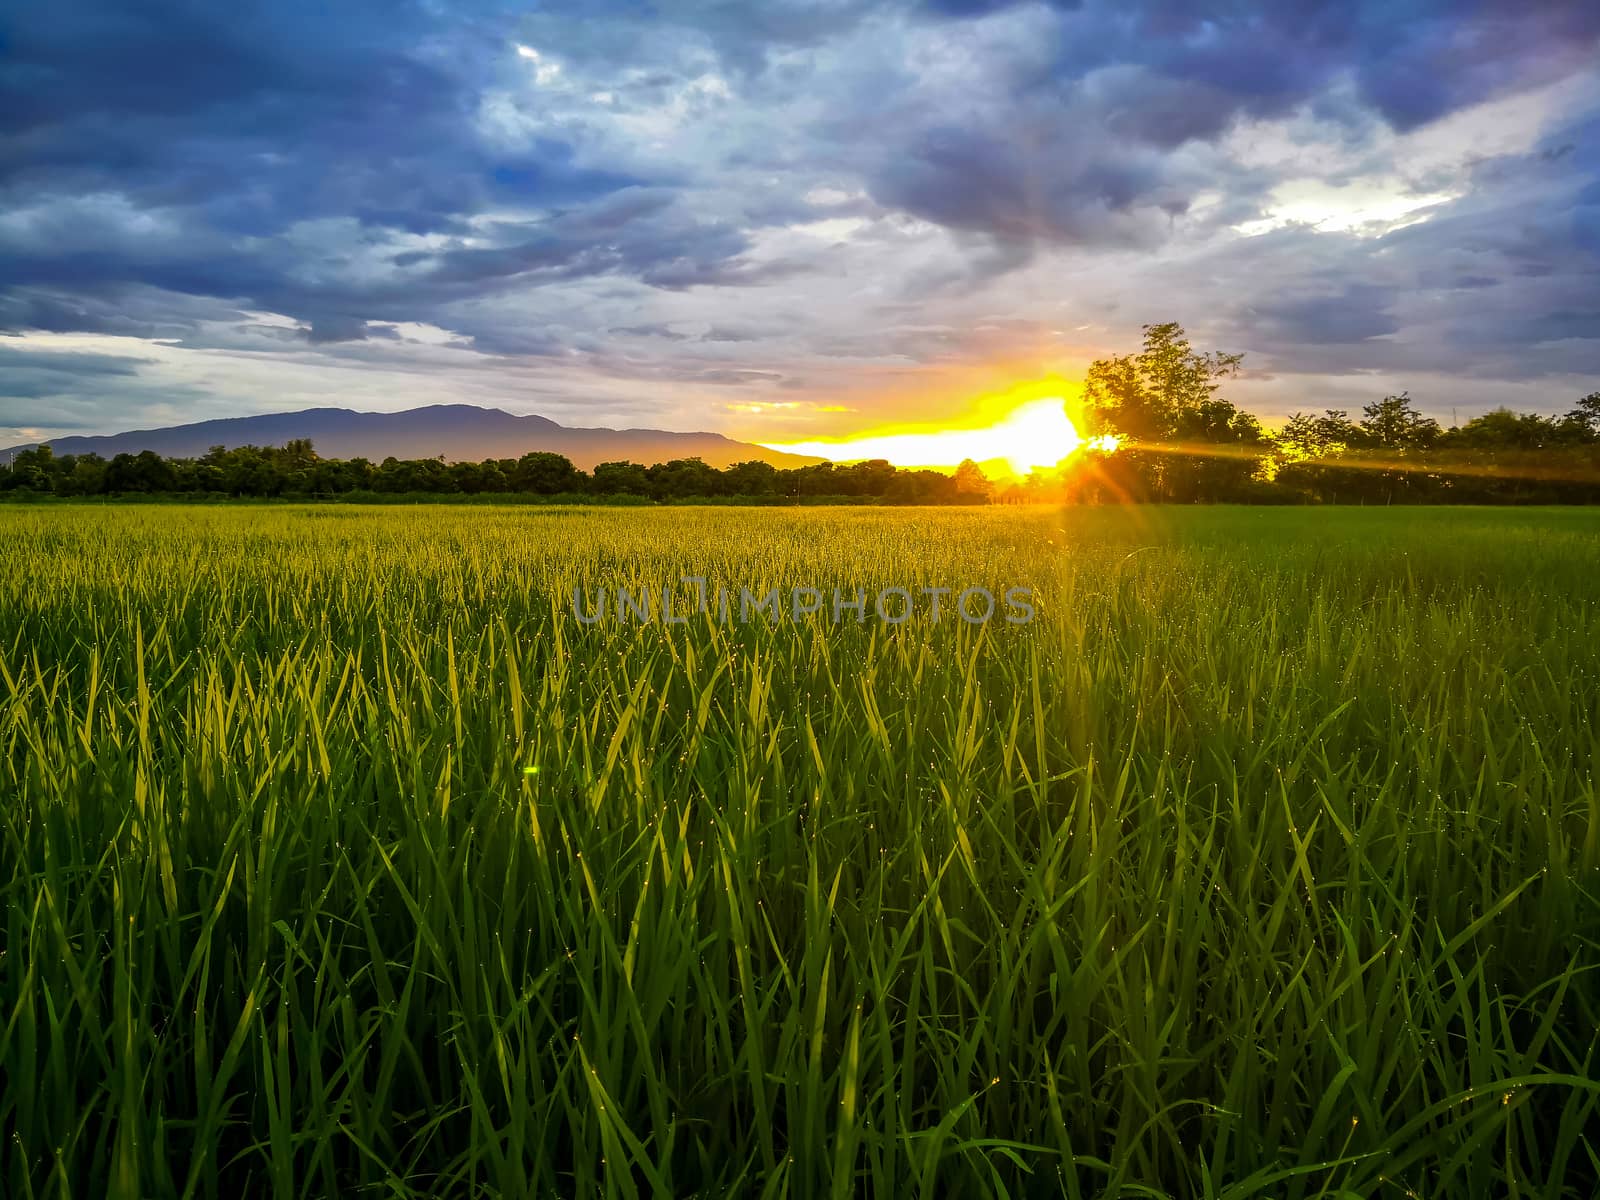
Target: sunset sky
x: 787, y: 221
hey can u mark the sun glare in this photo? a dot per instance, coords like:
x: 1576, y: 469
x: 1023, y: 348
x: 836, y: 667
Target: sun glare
x: 1034, y: 435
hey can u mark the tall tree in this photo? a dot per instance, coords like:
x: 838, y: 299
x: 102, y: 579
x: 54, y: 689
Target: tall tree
x: 1154, y: 394
x: 972, y: 485
x: 1305, y: 436
x: 1586, y: 415
x: 1393, y: 423
x: 298, y: 454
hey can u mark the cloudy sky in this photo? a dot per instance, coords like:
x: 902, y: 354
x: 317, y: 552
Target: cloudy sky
x: 787, y: 220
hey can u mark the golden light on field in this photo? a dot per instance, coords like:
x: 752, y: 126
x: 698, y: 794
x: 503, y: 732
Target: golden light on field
x: 1033, y: 434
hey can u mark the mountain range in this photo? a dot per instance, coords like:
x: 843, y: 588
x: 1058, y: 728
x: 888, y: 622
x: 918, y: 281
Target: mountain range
x: 458, y: 432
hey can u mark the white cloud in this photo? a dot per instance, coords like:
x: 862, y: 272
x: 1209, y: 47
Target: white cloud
x: 1368, y: 208
x: 544, y: 71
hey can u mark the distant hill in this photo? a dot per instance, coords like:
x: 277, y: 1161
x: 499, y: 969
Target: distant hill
x: 459, y: 432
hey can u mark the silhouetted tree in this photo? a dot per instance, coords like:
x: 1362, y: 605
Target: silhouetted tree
x: 1585, y: 416
x: 1162, y: 402
x: 752, y: 479
x: 546, y: 474
x: 972, y: 485
x: 683, y: 478
x: 621, y: 478
x: 871, y: 477
x: 146, y: 471
x: 1152, y: 395
x: 1393, y: 423
x: 31, y: 470
x: 1502, y: 428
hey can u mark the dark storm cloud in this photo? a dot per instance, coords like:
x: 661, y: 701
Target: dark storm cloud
x: 171, y: 168
x: 1352, y: 314
x: 137, y: 312
x: 742, y: 34
x: 979, y: 8
x: 229, y: 126
x: 1496, y: 288
x: 76, y: 388
x: 257, y: 113
x: 35, y: 373
x: 1412, y: 60
x: 1074, y: 146
x: 1038, y: 182
x: 344, y: 329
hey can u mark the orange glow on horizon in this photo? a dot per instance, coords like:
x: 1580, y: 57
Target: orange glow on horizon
x: 1028, y: 428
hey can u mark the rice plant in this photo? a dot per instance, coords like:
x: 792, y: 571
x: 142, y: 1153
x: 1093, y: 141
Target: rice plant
x: 340, y: 857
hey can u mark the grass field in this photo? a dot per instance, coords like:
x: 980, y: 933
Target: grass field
x: 338, y: 857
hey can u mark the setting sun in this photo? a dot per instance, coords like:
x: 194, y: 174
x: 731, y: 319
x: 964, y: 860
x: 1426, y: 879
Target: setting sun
x: 1033, y: 435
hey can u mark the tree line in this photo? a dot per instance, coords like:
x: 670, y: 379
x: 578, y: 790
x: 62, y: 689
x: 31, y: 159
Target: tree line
x: 1177, y: 440
x: 295, y: 470
x: 1182, y: 442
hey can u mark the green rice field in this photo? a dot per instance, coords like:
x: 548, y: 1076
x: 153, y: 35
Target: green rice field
x: 340, y: 857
